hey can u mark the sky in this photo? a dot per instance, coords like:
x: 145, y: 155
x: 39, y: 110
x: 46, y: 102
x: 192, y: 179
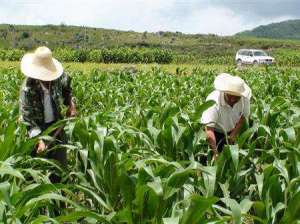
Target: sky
x: 222, y: 17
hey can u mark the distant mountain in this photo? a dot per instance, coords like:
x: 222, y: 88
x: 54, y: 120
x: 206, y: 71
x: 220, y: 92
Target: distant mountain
x: 284, y: 30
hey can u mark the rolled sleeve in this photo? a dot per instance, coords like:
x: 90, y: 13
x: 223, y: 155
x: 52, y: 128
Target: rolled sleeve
x: 33, y: 132
x: 210, y: 117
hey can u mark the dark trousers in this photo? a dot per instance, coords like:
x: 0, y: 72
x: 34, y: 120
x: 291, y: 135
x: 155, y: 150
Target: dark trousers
x: 58, y: 154
x: 220, y: 141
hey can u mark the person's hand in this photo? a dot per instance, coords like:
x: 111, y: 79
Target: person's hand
x: 41, y: 147
x: 71, y: 112
x: 215, y: 155
x: 231, y: 139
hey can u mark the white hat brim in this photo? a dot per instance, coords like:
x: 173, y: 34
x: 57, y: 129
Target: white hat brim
x: 34, y: 71
x: 220, y: 85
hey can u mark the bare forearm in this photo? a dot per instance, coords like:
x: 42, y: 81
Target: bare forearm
x: 237, y: 128
x: 212, y: 143
x: 72, y: 105
x: 211, y: 138
x: 71, y: 112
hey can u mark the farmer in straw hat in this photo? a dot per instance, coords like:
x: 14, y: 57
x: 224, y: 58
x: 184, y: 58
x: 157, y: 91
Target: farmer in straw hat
x: 228, y: 114
x: 45, y: 87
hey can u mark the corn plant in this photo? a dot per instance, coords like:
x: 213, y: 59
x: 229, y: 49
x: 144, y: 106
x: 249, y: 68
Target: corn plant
x: 134, y: 153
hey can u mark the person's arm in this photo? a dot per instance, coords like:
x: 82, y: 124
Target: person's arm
x: 209, y: 119
x: 234, y: 132
x: 71, y: 112
x: 30, y: 115
x: 67, y: 94
x: 246, y: 113
x: 211, y: 138
x: 237, y: 129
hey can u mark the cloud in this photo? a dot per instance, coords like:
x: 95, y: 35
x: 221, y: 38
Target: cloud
x: 191, y: 16
x: 266, y: 9
x: 212, y: 20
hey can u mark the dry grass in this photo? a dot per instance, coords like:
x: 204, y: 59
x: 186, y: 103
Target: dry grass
x: 172, y: 68
x: 87, y: 67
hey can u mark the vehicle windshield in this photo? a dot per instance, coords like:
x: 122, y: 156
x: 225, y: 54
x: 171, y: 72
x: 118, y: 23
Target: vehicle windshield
x: 260, y: 53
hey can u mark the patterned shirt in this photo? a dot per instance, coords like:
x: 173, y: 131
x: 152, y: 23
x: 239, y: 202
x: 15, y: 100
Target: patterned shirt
x: 32, y: 102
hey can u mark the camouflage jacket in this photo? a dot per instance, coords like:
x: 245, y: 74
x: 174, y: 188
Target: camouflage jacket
x: 32, y: 105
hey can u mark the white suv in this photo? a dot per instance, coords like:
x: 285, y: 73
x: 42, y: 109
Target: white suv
x: 253, y: 57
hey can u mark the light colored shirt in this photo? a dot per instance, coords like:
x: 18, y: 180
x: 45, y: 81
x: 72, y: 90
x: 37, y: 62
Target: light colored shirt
x: 33, y: 132
x: 222, y: 116
x: 48, y: 108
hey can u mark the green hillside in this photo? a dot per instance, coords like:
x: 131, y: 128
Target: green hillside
x: 186, y: 48
x: 28, y: 37
x: 283, y: 30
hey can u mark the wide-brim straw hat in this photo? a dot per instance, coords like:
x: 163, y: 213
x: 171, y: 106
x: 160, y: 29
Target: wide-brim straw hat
x: 41, y: 65
x: 232, y: 85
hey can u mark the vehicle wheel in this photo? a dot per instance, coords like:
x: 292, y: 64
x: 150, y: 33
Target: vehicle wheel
x: 255, y: 63
x: 239, y: 62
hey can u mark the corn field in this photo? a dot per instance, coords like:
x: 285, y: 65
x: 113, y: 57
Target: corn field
x: 283, y: 57
x: 134, y: 153
x: 104, y: 55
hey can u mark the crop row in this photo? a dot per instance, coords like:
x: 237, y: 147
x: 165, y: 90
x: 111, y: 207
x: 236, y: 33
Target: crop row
x: 114, y: 55
x: 147, y: 55
x: 134, y: 153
